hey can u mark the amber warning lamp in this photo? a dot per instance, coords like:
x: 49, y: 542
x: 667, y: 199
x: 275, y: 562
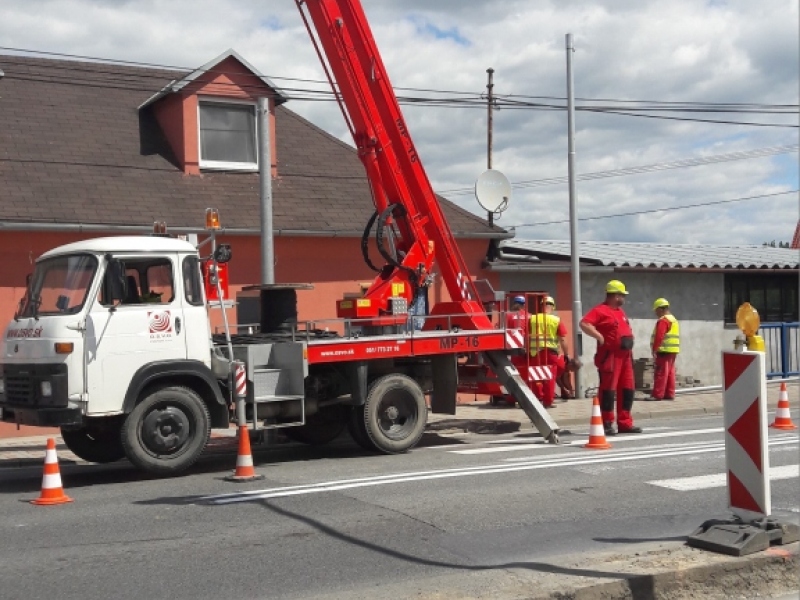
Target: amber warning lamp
x: 212, y: 218
x: 748, y: 321
x: 159, y: 228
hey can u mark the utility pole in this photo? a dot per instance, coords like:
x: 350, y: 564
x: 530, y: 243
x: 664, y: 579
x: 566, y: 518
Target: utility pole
x: 265, y: 189
x: 577, y: 309
x: 489, y: 102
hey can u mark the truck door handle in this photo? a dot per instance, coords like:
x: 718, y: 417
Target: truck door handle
x: 177, y: 325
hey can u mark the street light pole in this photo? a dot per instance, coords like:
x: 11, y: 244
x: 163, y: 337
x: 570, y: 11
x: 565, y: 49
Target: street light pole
x: 489, y: 102
x: 577, y: 309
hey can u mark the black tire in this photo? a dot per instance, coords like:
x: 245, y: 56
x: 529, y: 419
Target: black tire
x: 358, y: 428
x: 395, y: 413
x: 167, y: 431
x: 322, y: 427
x: 97, y: 442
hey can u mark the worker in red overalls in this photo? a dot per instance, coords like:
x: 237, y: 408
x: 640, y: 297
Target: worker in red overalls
x: 665, y: 344
x: 608, y: 324
x: 548, y: 336
x: 517, y: 318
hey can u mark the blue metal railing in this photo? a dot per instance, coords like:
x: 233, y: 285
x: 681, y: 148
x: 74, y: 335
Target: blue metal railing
x: 782, y: 343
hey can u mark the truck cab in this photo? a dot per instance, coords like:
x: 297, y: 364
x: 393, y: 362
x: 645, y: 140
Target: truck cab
x: 105, y: 324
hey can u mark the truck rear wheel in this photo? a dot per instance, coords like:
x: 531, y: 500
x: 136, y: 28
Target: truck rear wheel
x: 358, y: 428
x: 322, y: 427
x: 97, y: 442
x: 395, y: 413
x: 167, y: 431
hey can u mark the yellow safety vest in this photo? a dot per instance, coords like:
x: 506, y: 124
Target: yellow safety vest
x: 544, y: 332
x: 671, y: 343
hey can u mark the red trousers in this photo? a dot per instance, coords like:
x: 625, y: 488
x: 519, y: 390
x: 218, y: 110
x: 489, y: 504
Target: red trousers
x: 615, y: 368
x: 548, y: 388
x: 664, y: 384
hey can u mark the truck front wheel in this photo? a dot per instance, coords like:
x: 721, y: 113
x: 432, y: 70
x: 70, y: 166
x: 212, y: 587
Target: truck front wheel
x: 98, y: 441
x: 167, y: 431
x: 395, y: 413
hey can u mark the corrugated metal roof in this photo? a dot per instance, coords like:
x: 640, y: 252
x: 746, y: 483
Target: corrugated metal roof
x: 674, y: 256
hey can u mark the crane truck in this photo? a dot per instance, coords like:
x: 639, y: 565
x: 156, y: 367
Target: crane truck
x: 112, y: 341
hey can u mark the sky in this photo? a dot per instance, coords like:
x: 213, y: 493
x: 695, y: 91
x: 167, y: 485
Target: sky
x: 685, y: 179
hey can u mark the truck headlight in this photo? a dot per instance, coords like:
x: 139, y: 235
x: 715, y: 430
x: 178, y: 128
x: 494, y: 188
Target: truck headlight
x: 47, y: 389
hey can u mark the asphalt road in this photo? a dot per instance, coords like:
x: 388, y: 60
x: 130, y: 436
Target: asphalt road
x: 457, y: 514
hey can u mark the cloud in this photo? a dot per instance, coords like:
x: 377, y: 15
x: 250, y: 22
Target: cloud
x: 734, y: 51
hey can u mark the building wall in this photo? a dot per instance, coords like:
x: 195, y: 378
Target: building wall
x: 334, y: 266
x: 696, y: 300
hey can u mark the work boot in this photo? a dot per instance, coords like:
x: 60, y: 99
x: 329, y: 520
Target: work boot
x: 631, y: 429
x: 608, y: 428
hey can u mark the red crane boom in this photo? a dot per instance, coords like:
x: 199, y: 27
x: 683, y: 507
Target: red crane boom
x: 400, y: 187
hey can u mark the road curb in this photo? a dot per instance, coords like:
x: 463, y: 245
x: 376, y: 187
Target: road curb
x: 771, y: 572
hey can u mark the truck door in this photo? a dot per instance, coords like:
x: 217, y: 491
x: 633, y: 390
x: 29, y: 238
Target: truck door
x: 147, y: 326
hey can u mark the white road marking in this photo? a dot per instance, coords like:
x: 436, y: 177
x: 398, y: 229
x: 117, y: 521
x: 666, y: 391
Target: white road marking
x: 719, y: 444
x: 623, y: 438
x: 541, y: 463
x: 702, y: 482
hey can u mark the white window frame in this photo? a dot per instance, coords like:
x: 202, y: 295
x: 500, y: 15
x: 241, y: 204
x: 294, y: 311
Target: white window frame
x: 225, y: 165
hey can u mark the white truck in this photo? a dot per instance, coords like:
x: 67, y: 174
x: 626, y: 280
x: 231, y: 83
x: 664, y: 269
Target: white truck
x: 112, y: 342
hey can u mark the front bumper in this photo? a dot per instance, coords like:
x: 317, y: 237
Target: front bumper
x: 23, y: 400
x: 42, y: 417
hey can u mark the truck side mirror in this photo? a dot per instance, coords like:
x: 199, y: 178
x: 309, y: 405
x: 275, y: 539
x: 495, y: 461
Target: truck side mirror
x: 223, y: 253
x: 117, y: 282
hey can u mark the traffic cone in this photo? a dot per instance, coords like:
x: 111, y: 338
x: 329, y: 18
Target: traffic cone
x: 597, y: 435
x: 52, y: 492
x: 783, y: 418
x: 244, y: 459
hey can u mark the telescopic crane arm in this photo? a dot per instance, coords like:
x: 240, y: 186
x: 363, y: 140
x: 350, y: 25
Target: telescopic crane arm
x: 400, y: 187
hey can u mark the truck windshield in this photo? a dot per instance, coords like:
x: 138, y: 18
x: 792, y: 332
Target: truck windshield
x: 59, y: 286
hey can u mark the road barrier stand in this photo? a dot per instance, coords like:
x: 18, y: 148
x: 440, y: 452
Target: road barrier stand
x: 52, y: 490
x: 746, y: 455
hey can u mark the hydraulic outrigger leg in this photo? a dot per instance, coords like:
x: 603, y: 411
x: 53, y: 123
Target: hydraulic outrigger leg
x: 510, y: 378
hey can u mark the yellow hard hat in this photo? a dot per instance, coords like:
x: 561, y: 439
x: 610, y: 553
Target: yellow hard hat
x: 660, y: 303
x: 616, y: 287
x: 549, y: 300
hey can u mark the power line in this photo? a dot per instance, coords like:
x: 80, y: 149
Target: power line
x: 510, y: 101
x: 656, y: 210
x: 678, y: 164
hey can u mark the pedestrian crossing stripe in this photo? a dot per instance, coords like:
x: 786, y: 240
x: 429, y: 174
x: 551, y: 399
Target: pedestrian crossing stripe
x: 702, y: 482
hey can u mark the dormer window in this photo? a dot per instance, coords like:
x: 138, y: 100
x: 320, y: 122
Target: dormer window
x: 228, y: 135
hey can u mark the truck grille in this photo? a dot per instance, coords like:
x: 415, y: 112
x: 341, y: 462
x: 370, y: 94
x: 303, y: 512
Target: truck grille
x: 19, y: 389
x: 23, y: 385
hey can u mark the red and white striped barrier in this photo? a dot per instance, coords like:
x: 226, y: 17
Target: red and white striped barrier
x: 746, y: 455
x: 240, y: 381
x: 515, y: 338
x: 543, y: 373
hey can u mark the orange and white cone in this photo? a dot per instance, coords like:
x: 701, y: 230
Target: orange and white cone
x: 244, y: 459
x: 597, y: 435
x: 52, y: 491
x: 783, y: 418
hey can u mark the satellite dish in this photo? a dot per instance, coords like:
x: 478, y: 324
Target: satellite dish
x: 493, y: 191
